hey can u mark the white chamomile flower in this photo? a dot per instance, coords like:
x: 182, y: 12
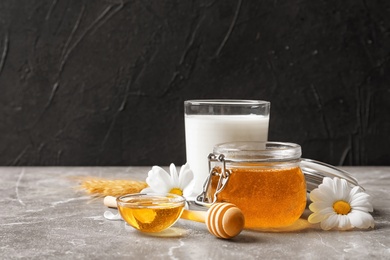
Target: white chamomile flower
x: 338, y: 206
x: 160, y: 181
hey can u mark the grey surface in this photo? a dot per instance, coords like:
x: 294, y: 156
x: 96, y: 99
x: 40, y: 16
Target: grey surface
x: 43, y: 216
x: 102, y: 82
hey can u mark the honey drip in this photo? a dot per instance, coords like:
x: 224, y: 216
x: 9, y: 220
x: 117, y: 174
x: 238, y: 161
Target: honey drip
x: 152, y: 219
x: 268, y: 197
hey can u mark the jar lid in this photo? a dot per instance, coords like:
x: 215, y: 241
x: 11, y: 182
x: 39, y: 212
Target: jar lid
x: 258, y: 151
x: 316, y: 171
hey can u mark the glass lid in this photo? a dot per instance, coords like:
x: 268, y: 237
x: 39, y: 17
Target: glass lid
x: 316, y: 171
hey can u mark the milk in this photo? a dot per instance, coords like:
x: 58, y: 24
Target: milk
x: 204, y: 131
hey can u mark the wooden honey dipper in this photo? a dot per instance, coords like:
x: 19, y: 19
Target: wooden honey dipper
x: 223, y: 220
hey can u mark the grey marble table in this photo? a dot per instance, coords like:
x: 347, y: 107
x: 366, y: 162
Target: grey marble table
x: 44, y: 216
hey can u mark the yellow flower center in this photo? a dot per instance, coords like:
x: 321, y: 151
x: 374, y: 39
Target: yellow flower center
x: 176, y: 191
x: 341, y: 207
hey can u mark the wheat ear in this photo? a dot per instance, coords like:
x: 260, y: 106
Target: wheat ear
x: 105, y: 187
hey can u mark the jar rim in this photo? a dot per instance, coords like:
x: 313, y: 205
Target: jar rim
x: 142, y: 200
x: 240, y: 102
x: 258, y: 151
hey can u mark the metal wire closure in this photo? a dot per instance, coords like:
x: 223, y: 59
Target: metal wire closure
x: 203, y: 198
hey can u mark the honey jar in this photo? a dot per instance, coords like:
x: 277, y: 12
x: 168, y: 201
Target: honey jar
x: 263, y: 179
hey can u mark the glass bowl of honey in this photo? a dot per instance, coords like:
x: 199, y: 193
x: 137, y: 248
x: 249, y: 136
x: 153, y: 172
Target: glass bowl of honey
x: 263, y: 179
x: 150, y: 212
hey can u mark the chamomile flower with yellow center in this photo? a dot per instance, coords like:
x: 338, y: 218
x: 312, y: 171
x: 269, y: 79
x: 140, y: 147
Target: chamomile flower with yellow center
x: 160, y: 181
x: 336, y: 205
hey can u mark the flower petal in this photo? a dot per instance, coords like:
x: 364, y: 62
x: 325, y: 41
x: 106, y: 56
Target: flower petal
x: 362, y: 201
x: 321, y: 194
x: 354, y: 190
x: 319, y: 205
x: 364, y: 208
x: 344, y: 189
x: 186, y: 180
x: 174, y: 176
x: 339, y: 186
x: 329, y: 184
x: 111, y: 216
x: 315, y: 218
x: 361, y: 219
x: 185, y: 176
x: 159, y: 180
x: 321, y: 215
x: 188, y: 190
x: 360, y: 197
x: 344, y: 222
x: 147, y: 190
x: 330, y: 222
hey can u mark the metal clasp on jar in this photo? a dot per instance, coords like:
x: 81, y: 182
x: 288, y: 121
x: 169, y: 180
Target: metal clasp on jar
x: 205, y: 198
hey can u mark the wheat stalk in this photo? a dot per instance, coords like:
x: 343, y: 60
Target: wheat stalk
x: 105, y: 187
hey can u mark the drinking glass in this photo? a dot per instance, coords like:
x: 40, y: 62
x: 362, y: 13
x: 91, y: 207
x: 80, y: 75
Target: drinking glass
x: 215, y: 121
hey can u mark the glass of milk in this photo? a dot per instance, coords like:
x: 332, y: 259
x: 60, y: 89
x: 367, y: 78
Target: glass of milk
x: 210, y: 122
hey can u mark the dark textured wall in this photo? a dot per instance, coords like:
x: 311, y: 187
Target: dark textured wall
x: 103, y: 82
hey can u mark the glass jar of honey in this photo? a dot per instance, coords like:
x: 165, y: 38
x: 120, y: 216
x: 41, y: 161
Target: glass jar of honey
x: 263, y: 179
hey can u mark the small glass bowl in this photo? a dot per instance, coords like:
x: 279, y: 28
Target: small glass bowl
x: 151, y: 212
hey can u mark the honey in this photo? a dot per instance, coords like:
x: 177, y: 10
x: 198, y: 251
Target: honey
x: 150, y: 214
x: 263, y: 179
x: 267, y: 197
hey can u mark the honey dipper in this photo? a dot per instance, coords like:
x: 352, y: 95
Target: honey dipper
x: 223, y: 220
